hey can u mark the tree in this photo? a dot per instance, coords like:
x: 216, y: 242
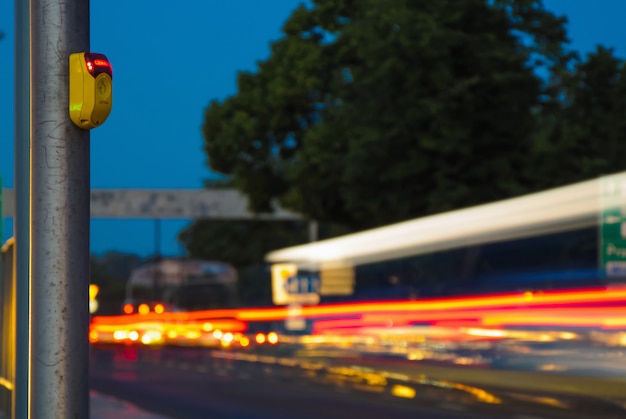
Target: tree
x: 244, y: 245
x: 233, y: 241
x: 585, y: 134
x: 375, y: 111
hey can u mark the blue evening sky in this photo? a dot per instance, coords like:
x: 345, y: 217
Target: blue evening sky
x: 170, y: 59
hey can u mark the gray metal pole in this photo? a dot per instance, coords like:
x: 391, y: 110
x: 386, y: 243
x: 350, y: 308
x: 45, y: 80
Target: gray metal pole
x: 313, y: 230
x: 21, y: 227
x: 59, y: 386
x: 157, y: 238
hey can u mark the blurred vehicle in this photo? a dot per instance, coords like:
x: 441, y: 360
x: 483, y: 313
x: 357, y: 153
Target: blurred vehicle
x: 556, y: 261
x: 180, y: 285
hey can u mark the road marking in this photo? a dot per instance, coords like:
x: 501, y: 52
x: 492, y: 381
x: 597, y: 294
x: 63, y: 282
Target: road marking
x: 453, y: 406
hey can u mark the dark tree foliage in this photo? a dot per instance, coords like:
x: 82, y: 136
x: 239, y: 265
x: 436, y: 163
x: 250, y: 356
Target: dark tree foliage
x: 369, y: 112
x: 375, y: 111
x: 244, y: 245
x: 584, y: 136
x: 241, y: 243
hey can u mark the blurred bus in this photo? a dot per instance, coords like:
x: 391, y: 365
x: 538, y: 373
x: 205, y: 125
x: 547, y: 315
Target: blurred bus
x: 556, y: 261
x: 565, y: 238
x: 180, y: 285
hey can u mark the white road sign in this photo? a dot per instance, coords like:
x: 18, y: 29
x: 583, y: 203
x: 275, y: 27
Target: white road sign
x: 167, y: 203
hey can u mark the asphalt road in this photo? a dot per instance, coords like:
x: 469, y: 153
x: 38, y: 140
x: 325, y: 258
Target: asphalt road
x: 190, y: 383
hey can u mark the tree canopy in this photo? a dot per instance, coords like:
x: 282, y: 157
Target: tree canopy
x: 369, y: 112
x: 583, y: 137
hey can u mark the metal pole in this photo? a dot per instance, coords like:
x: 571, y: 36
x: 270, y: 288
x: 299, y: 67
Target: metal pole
x: 313, y: 230
x: 21, y: 217
x: 157, y: 238
x: 59, y: 386
x: 156, y: 277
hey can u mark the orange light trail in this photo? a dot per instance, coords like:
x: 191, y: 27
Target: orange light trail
x: 569, y: 297
x: 586, y: 316
x: 499, y: 301
x: 594, y: 307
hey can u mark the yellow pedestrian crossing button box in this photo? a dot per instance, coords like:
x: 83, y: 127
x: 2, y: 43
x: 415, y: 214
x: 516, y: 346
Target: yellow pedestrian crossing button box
x: 91, y: 89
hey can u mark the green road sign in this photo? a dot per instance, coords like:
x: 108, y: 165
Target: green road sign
x: 613, y: 225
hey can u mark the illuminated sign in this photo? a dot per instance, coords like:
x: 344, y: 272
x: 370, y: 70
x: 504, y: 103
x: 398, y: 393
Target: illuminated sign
x: 613, y: 225
x: 291, y: 287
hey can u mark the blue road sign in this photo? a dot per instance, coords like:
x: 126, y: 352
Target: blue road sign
x: 302, y: 284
